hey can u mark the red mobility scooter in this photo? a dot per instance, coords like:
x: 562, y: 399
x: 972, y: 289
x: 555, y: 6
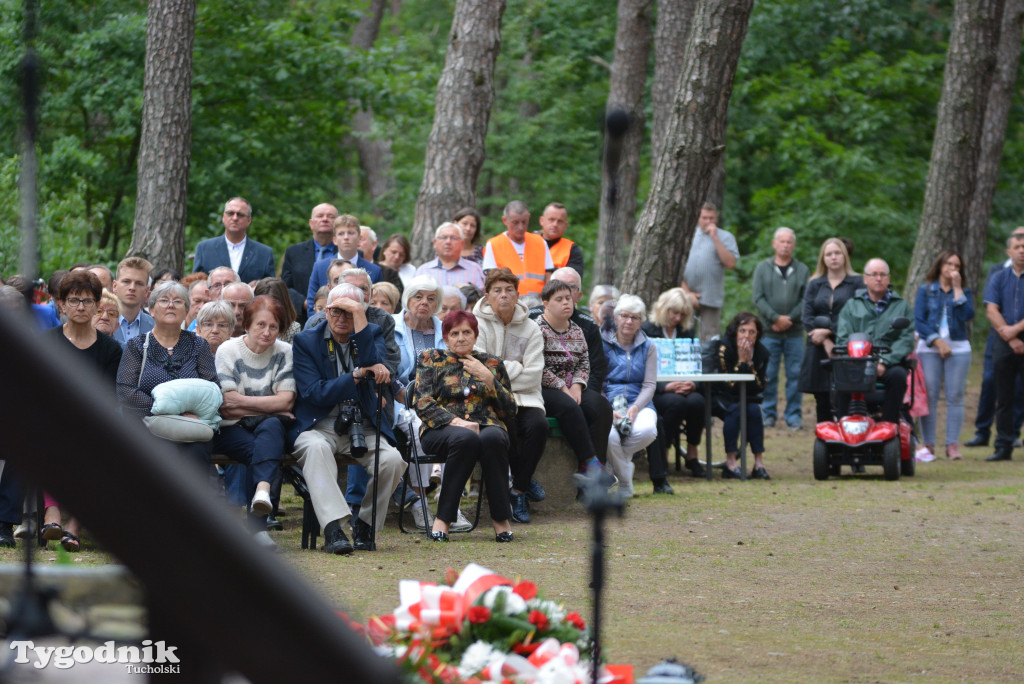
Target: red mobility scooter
x: 861, y: 438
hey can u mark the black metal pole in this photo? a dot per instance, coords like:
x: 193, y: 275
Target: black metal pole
x: 376, y: 467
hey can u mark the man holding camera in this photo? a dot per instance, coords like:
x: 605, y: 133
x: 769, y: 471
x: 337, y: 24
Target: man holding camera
x: 336, y: 365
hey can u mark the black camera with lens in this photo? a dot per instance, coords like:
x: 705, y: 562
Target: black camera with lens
x: 350, y: 422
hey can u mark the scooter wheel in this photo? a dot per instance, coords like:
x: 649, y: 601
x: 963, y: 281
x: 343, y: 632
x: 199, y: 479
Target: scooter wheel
x: 891, y: 459
x: 821, y: 465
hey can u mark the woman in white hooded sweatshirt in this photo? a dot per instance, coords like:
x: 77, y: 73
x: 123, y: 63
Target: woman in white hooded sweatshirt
x: 507, y: 332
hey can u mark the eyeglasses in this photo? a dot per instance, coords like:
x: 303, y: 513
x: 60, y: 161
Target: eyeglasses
x: 449, y: 238
x: 876, y: 276
x: 629, y: 317
x: 164, y: 302
x: 107, y: 313
x: 75, y: 302
x: 239, y: 214
x: 335, y: 312
x: 211, y: 325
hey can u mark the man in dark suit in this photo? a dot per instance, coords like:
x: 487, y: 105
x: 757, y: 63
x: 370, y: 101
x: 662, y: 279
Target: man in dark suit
x: 346, y: 239
x: 332, y: 363
x: 251, y: 260
x: 299, y: 259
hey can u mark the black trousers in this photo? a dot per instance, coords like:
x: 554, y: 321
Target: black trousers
x: 1008, y: 367
x: 675, y: 409
x: 584, y: 425
x: 528, y: 435
x: 462, y: 448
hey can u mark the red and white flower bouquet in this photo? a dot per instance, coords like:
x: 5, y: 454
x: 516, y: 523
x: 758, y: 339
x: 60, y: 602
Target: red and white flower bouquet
x: 481, y: 627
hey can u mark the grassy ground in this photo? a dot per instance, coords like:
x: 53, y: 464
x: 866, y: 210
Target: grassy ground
x: 853, y: 579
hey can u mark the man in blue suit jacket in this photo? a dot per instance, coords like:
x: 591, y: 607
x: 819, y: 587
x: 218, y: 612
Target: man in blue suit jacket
x: 251, y: 260
x: 346, y: 239
x: 331, y: 363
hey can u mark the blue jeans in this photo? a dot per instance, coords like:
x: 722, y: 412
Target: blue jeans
x: 792, y: 348
x: 951, y: 373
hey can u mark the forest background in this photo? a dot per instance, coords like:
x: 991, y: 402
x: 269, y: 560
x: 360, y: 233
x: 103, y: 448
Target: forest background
x: 830, y: 122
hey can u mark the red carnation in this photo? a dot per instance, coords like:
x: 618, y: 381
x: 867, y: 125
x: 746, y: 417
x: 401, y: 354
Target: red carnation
x: 539, y: 620
x: 451, y: 576
x: 527, y: 590
x: 479, y: 614
x: 381, y: 628
x: 576, y: 621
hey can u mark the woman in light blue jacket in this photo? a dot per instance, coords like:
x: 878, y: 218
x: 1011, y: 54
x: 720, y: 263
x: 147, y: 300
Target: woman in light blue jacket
x: 941, y: 312
x: 417, y: 327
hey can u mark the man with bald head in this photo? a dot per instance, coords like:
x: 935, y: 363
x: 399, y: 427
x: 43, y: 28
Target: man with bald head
x: 872, y: 310
x: 299, y: 259
x: 779, y: 284
x: 238, y: 295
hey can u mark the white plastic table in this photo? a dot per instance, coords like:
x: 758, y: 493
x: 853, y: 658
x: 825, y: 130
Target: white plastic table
x: 743, y: 379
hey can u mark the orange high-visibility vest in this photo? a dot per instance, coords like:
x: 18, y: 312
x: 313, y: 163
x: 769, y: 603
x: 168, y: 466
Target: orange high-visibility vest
x: 529, y: 269
x: 560, y: 252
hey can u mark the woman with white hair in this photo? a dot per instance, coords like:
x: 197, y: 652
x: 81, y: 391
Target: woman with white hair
x: 629, y: 386
x: 418, y: 328
x: 214, y: 323
x: 672, y: 317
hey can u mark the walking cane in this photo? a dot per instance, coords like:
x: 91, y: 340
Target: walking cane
x: 376, y: 462
x: 415, y: 457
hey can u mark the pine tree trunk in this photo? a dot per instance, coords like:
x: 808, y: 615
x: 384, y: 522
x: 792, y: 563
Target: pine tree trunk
x: 694, y: 141
x: 625, y: 92
x: 672, y: 30
x: 374, y: 154
x: 165, y: 149
x: 462, y: 109
x: 953, y: 171
x: 993, y: 135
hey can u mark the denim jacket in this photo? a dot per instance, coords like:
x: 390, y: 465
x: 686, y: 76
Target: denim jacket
x: 928, y: 308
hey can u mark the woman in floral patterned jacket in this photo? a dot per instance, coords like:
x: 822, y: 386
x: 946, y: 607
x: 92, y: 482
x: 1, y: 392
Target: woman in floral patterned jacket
x: 464, y: 399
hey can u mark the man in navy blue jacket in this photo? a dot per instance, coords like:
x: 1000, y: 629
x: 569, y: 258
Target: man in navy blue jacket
x: 251, y: 260
x: 332, y: 363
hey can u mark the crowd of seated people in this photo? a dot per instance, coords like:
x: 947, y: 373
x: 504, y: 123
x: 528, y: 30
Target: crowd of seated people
x: 355, y: 342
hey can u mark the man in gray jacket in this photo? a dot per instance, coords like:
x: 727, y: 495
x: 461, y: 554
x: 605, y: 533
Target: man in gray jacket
x: 779, y: 283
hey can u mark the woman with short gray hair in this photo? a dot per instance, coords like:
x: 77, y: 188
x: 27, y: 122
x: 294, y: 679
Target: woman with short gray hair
x: 629, y: 386
x: 214, y: 323
x: 418, y: 328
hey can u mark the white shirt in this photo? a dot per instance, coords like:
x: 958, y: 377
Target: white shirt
x: 235, y: 253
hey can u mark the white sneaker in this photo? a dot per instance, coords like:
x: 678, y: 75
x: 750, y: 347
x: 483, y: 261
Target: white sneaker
x: 21, y: 532
x: 263, y: 540
x: 461, y: 523
x: 417, y: 517
x: 923, y: 455
x: 261, y: 503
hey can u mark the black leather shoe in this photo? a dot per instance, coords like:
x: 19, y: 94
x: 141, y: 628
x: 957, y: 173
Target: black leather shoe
x: 335, y: 540
x: 663, y: 487
x: 361, y: 535
x: 7, y: 535
x: 1001, y: 455
x: 439, y: 536
x: 274, y: 524
x: 696, y: 468
x: 728, y: 474
x: 759, y: 474
x: 979, y: 440
x: 504, y: 537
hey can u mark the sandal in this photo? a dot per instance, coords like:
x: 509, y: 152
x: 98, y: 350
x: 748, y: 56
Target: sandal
x: 51, y: 531
x: 70, y: 542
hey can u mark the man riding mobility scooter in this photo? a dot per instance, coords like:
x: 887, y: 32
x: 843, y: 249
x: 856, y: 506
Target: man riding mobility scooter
x: 859, y: 437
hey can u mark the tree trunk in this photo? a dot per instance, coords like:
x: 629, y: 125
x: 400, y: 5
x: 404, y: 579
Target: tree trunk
x: 462, y: 109
x: 993, y: 134
x: 672, y: 30
x: 165, y: 148
x: 374, y: 154
x: 953, y: 171
x: 619, y: 184
x: 694, y: 141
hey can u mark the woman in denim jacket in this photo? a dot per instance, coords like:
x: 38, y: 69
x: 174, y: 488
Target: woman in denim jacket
x: 941, y: 312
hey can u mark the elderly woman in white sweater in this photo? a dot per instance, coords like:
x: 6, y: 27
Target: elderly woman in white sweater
x: 507, y: 332
x: 255, y: 374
